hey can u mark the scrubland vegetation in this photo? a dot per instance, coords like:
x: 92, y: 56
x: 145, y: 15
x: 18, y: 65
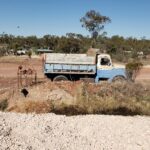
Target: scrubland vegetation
x: 121, y: 49
x: 113, y: 99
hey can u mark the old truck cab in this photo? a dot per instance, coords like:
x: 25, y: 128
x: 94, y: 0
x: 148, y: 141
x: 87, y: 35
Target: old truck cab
x: 107, y: 71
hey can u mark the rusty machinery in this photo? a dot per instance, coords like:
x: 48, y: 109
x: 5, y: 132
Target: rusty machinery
x: 26, y: 75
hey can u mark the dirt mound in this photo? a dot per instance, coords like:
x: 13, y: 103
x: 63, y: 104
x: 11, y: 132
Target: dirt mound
x: 42, y: 92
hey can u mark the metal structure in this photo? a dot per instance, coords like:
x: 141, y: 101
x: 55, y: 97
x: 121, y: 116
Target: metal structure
x: 26, y: 76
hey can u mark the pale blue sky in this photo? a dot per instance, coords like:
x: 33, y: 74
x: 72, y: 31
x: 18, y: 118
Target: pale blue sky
x: 58, y: 17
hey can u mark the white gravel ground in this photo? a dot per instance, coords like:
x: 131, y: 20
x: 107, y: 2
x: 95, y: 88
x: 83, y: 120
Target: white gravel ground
x: 91, y: 132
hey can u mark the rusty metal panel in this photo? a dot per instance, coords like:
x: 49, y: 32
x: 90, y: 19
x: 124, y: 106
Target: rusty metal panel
x: 69, y: 58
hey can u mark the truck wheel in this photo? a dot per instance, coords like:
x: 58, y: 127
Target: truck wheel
x: 60, y: 78
x: 119, y: 79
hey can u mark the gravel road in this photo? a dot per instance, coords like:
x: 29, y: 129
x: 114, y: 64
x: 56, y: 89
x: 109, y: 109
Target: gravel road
x: 91, y: 132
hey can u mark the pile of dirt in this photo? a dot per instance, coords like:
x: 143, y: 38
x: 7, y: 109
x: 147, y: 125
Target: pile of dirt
x: 42, y: 92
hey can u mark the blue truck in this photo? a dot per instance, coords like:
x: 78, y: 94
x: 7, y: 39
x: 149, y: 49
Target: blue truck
x: 58, y: 66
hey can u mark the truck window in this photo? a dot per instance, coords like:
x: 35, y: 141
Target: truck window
x: 105, y: 62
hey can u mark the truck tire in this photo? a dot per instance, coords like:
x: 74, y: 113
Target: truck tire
x: 60, y: 78
x: 119, y: 79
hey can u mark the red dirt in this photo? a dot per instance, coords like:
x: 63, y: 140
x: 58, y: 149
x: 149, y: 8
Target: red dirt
x: 144, y: 74
x: 9, y: 67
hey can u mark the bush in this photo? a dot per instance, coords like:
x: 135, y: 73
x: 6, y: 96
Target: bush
x: 3, y: 104
x: 29, y: 53
x: 133, y: 69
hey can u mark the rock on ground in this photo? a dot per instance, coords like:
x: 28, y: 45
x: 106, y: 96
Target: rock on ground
x: 89, y: 132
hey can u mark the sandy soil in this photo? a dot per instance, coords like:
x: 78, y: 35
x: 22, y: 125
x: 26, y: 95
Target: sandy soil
x: 9, y: 65
x: 144, y: 74
x: 9, y: 68
x: 91, y: 132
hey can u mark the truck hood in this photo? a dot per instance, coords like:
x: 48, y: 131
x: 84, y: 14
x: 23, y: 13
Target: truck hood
x: 119, y: 66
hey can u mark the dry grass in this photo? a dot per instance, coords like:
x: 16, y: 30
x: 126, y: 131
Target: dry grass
x: 112, y: 99
x: 12, y: 59
x: 98, y: 106
x: 31, y: 107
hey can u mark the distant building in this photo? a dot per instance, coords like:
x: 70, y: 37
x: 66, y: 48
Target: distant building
x: 21, y: 52
x: 42, y: 51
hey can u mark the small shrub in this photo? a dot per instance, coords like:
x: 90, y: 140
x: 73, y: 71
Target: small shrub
x: 29, y: 53
x: 3, y: 104
x: 133, y: 69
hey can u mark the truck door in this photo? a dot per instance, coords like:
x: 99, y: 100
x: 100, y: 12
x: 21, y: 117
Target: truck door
x: 104, y: 68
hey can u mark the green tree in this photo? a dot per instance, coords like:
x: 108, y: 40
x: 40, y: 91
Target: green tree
x: 94, y: 22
